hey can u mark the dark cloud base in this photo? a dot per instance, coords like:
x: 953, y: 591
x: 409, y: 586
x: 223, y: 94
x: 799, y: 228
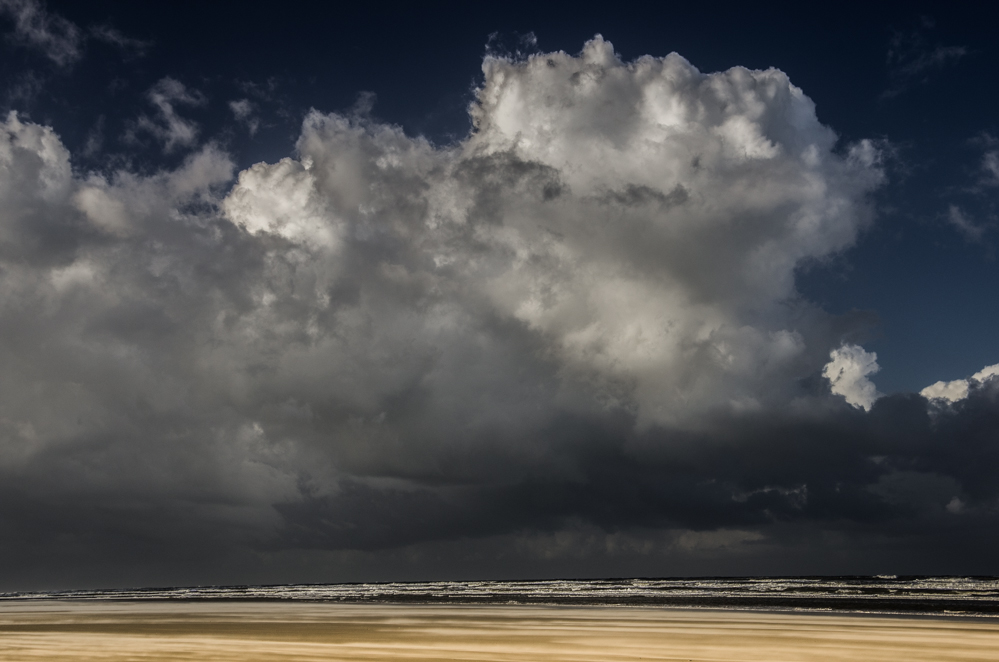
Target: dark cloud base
x: 846, y: 493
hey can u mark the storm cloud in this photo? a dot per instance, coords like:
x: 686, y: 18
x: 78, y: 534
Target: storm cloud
x: 572, y: 337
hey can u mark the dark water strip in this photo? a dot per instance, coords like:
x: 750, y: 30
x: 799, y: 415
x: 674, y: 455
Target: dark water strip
x: 881, y: 594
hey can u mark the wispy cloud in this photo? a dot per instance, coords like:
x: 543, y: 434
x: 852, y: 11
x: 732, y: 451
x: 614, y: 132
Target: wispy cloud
x: 912, y: 60
x: 986, y: 171
x: 245, y: 112
x: 114, y: 37
x: 959, y: 219
x: 990, y: 167
x: 61, y: 40
x: 167, y: 125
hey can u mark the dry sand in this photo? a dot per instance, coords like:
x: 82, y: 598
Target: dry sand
x: 254, y: 631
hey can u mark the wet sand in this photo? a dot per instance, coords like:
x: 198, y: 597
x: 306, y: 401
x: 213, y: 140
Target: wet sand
x: 252, y: 631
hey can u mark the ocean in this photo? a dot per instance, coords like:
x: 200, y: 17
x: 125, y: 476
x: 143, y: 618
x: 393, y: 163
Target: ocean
x: 884, y: 594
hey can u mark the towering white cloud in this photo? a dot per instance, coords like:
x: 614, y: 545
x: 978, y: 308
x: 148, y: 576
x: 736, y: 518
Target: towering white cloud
x: 642, y: 220
x: 614, y: 241
x: 612, y: 236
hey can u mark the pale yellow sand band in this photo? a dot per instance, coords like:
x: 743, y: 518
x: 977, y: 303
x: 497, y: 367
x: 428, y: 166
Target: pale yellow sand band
x: 248, y: 632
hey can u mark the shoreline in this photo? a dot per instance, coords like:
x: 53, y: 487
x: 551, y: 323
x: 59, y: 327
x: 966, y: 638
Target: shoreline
x: 768, y: 609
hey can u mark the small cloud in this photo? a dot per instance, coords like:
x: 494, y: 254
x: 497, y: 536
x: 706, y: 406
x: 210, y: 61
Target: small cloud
x: 848, y: 371
x: 364, y: 104
x: 114, y: 37
x: 990, y: 166
x: 965, y: 226
x: 169, y: 127
x: 911, y: 61
x: 246, y: 113
x: 985, y: 173
x: 946, y: 391
x: 25, y: 88
x: 95, y: 139
x: 60, y: 40
x: 260, y: 91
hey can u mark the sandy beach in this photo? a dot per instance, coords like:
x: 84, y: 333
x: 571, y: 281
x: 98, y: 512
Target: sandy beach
x: 250, y: 631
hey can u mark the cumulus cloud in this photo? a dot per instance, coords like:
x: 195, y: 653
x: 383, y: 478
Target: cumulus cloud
x: 958, y: 389
x: 581, y: 321
x: 648, y: 238
x: 949, y: 391
x: 657, y: 173
x: 848, y: 373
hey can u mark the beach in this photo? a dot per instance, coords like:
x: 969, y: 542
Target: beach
x: 256, y: 630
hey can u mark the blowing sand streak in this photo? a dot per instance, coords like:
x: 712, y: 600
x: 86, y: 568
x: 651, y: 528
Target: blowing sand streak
x: 252, y: 631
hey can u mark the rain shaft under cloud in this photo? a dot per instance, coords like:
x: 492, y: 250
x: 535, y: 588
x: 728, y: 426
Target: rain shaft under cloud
x: 579, y: 323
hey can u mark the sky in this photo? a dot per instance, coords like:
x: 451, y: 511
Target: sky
x: 441, y: 291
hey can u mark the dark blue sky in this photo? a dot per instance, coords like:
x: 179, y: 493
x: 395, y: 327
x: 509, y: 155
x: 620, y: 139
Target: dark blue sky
x: 918, y: 76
